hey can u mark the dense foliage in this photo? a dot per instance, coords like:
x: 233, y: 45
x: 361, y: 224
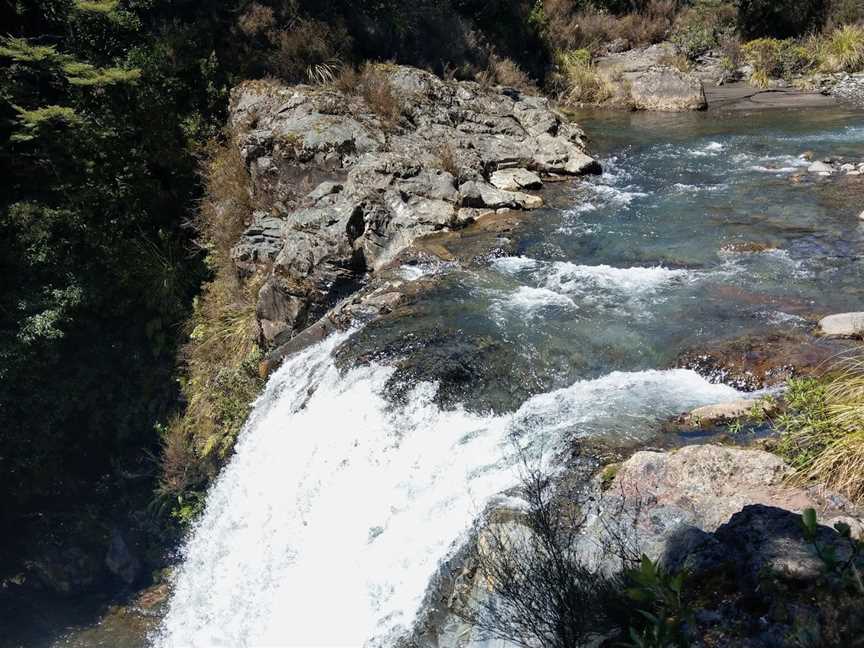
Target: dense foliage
x: 105, y: 106
x: 781, y: 18
x: 97, y: 118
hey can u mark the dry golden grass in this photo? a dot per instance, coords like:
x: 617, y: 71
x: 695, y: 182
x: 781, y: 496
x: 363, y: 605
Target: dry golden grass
x: 842, y: 50
x: 505, y: 72
x: 578, y: 80
x: 823, y: 432
x: 220, y: 381
x: 448, y: 161
x: 568, y: 28
x: 226, y: 209
x: 219, y: 377
x: 379, y: 94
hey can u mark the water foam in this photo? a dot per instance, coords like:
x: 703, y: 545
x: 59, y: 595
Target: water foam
x: 635, y: 281
x: 330, y: 520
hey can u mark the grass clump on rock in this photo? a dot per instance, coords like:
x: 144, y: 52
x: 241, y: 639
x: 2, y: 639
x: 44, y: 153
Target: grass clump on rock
x: 219, y: 378
x: 823, y: 428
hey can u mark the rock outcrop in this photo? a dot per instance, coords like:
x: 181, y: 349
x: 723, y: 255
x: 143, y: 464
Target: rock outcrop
x: 666, y: 89
x: 344, y: 182
x: 724, y: 516
x: 657, y: 494
x: 642, y: 79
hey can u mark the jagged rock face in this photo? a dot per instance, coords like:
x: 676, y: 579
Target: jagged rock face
x: 342, y: 192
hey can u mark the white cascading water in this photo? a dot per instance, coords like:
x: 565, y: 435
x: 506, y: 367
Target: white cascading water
x: 329, y: 522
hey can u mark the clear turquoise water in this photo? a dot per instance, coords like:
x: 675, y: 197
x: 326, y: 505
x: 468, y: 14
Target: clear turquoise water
x: 370, y: 475
x: 632, y: 270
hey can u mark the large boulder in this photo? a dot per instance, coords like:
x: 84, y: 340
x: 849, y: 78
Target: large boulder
x: 842, y: 325
x: 666, y: 89
x: 656, y: 495
x: 342, y: 188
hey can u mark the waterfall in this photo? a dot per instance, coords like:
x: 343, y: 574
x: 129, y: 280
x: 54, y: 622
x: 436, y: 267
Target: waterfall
x: 328, y: 523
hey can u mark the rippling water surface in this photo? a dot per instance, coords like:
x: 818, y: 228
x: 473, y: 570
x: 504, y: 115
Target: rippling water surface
x: 352, y: 482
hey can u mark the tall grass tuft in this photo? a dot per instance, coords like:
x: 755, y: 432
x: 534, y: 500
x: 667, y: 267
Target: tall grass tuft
x: 823, y: 431
x: 578, y: 80
x: 843, y: 49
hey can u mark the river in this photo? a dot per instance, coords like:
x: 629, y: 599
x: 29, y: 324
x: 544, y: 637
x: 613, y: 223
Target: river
x: 369, y: 456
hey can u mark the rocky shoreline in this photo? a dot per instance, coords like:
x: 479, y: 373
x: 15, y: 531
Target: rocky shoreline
x: 412, y: 156
x: 651, y: 78
x: 347, y: 195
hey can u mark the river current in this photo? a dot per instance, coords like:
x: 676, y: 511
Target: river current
x: 346, y: 493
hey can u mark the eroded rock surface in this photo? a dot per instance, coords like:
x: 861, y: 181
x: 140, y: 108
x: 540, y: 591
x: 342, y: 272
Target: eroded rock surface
x: 655, y: 495
x: 341, y: 190
x: 842, y: 325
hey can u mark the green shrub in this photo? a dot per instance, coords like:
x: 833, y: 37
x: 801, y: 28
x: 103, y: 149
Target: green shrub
x: 772, y: 58
x: 700, y: 28
x: 780, y: 18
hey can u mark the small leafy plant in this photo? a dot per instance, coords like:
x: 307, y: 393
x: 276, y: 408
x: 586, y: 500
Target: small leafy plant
x: 659, y: 596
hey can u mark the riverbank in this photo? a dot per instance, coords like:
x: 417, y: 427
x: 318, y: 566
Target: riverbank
x: 558, y: 324
x: 567, y: 331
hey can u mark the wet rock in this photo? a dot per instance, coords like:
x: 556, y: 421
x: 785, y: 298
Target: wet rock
x: 66, y: 570
x: 753, y: 362
x: 842, y: 325
x: 725, y: 412
x: 743, y: 247
x: 820, y: 167
x: 667, y: 89
x: 120, y: 561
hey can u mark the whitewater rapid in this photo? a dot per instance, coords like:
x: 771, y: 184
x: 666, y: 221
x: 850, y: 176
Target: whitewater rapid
x: 330, y: 520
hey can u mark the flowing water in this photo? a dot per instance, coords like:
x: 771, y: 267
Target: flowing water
x: 353, y: 480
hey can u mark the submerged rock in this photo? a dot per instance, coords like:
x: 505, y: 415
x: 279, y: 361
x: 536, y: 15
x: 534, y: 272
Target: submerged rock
x: 753, y: 362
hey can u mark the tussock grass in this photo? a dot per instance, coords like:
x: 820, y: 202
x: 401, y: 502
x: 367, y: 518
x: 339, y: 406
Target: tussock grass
x: 823, y: 429
x: 578, y: 80
x: 379, y: 94
x: 843, y: 49
x: 226, y: 208
x: 568, y: 25
x: 505, y: 72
